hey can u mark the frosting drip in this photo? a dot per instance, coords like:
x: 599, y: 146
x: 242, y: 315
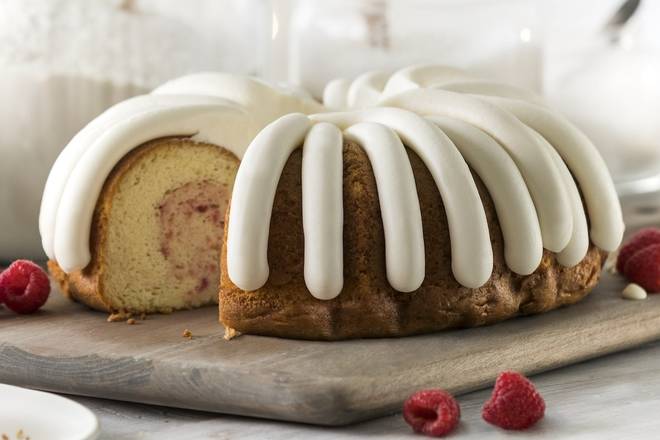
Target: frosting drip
x: 323, y: 210
x: 545, y: 156
x: 585, y: 163
x: 534, y: 161
x: 472, y: 259
x: 397, y: 193
x: 523, y: 246
x: 253, y: 196
x: 381, y: 132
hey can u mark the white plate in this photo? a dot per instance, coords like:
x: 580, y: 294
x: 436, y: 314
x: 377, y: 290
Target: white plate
x: 44, y: 416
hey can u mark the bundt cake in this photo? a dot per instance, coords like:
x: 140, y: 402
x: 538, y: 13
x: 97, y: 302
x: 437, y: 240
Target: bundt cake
x: 133, y: 210
x: 433, y: 201
x: 426, y: 200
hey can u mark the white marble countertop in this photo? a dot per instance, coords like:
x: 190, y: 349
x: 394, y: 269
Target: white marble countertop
x: 613, y: 397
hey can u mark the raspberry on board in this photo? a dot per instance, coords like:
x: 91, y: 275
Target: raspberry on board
x: 638, y: 241
x: 432, y: 412
x: 643, y: 268
x: 24, y: 287
x: 515, y: 403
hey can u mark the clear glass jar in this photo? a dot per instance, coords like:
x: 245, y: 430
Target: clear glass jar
x: 62, y: 62
x: 607, y: 81
x: 343, y: 38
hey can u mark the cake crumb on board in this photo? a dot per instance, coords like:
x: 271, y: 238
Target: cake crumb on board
x: 119, y: 316
x: 187, y: 334
x: 131, y: 321
x: 230, y: 334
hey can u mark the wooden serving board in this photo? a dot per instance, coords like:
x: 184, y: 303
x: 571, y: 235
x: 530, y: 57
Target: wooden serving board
x: 67, y: 348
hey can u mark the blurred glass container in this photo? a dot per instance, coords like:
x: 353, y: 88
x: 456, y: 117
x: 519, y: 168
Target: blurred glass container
x: 343, y: 38
x: 609, y: 85
x: 62, y: 62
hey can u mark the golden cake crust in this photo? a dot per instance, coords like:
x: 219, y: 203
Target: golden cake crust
x: 86, y: 285
x: 368, y: 306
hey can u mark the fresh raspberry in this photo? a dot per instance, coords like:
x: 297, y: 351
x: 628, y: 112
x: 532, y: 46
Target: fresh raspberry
x: 514, y: 404
x: 643, y: 268
x: 24, y: 287
x: 432, y: 412
x: 640, y: 239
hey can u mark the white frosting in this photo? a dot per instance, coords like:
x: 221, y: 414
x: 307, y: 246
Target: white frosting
x: 397, y: 193
x: 548, y: 153
x: 489, y: 88
x: 584, y: 162
x: 323, y: 210
x: 335, y: 94
x: 578, y: 245
x: 523, y: 245
x: 425, y: 76
x: 194, y: 106
x: 370, y: 88
x: 253, y: 196
x: 576, y: 150
x: 366, y: 89
x: 265, y: 102
x: 382, y: 133
x: 472, y: 257
x: 534, y: 161
x: 443, y: 96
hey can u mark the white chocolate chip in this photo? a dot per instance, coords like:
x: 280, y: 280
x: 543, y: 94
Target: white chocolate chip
x: 633, y: 291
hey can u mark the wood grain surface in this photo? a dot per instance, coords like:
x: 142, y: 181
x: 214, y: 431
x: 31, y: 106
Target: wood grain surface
x: 612, y: 397
x: 69, y: 349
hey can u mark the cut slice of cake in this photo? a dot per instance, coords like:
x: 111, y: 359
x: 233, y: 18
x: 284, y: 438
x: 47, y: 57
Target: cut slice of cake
x: 157, y: 230
x: 133, y: 210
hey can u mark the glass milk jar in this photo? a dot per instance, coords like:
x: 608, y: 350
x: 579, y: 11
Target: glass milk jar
x: 62, y: 62
x: 343, y: 38
x: 607, y: 80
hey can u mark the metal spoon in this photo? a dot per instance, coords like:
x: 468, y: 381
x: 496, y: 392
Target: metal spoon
x: 622, y: 15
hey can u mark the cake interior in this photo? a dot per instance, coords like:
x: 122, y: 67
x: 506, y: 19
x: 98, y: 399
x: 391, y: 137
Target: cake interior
x: 161, y: 221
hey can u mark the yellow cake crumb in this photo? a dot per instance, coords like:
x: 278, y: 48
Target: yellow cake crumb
x: 230, y: 333
x: 119, y: 316
x: 187, y: 334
